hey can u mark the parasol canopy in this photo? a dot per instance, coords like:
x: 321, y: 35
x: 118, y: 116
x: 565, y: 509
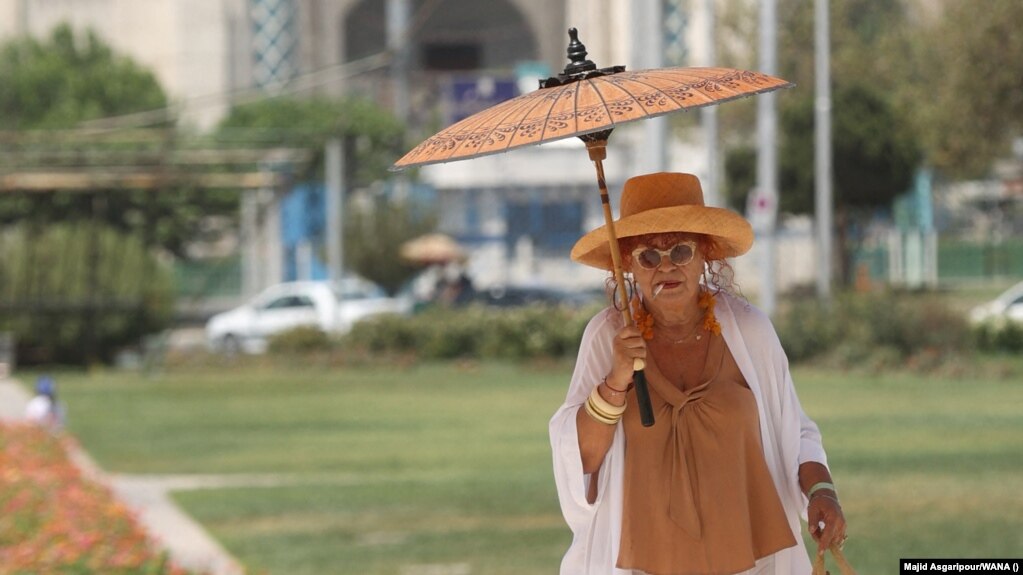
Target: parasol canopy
x: 591, y: 104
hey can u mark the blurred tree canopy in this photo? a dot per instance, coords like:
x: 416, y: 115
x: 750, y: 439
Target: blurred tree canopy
x: 69, y: 78
x: 877, y: 146
x: 86, y: 290
x: 66, y: 79
x: 372, y: 135
x: 967, y: 90
x: 946, y: 72
x: 374, y: 232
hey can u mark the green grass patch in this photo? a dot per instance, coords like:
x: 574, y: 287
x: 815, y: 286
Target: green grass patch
x: 445, y: 468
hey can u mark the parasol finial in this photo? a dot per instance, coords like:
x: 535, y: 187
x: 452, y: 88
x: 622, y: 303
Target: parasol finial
x: 577, y: 55
x: 578, y: 67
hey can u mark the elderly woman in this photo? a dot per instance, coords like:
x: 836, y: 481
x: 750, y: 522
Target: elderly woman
x: 719, y: 482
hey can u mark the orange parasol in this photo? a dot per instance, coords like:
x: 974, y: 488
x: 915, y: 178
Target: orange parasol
x: 588, y: 103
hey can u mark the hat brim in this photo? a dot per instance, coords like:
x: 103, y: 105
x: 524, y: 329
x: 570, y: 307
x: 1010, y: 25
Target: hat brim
x: 732, y: 234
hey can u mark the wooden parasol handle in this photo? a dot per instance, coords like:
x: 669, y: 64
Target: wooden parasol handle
x: 598, y: 153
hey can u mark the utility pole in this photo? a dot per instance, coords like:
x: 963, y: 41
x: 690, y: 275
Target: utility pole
x: 767, y: 152
x: 648, y: 49
x: 823, y: 175
x: 335, y: 162
x: 709, y: 114
x: 397, y: 43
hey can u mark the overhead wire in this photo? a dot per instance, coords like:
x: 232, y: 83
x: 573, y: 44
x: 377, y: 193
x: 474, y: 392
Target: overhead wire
x: 307, y: 81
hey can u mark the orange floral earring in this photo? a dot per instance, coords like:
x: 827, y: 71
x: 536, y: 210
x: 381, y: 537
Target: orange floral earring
x: 644, y: 320
x: 710, y: 321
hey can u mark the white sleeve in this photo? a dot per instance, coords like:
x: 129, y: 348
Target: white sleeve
x: 811, y: 444
x: 595, y: 527
x: 592, y: 364
x: 811, y: 447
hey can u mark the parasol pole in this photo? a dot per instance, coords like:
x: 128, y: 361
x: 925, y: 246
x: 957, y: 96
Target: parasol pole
x: 596, y: 147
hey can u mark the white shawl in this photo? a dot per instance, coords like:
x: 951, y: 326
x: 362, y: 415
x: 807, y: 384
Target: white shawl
x: 789, y: 439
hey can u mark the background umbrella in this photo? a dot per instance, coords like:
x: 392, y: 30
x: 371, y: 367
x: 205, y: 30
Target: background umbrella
x: 432, y: 249
x: 588, y: 103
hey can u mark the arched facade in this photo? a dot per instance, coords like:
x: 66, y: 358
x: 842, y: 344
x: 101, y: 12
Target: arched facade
x: 446, y: 35
x: 336, y: 31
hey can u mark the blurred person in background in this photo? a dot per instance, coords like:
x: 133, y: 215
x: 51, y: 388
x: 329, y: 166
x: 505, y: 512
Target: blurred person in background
x: 43, y: 408
x: 720, y: 481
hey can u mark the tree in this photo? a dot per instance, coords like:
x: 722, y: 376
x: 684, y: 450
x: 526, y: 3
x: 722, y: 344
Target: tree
x: 67, y: 79
x: 876, y: 148
x: 374, y: 233
x: 84, y: 290
x: 373, y: 135
x: 969, y: 91
x: 375, y: 230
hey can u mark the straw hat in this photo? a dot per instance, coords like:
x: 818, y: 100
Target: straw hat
x: 667, y: 202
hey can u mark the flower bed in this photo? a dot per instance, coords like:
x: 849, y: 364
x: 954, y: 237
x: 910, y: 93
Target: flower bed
x: 54, y: 520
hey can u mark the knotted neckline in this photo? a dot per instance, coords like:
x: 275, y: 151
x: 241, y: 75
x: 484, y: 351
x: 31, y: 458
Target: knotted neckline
x: 684, y: 487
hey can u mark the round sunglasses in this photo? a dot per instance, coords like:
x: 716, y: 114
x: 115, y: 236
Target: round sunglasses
x: 650, y: 258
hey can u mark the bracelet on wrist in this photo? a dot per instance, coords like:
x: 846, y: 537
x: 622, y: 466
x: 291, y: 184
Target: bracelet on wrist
x: 822, y: 495
x: 614, y: 390
x: 820, y: 486
x: 601, y: 410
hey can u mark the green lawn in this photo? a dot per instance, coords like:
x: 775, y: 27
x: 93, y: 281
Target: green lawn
x: 446, y: 468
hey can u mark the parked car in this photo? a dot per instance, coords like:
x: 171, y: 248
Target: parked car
x: 331, y: 306
x: 1008, y: 306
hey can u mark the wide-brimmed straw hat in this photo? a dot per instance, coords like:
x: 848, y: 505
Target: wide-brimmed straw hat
x: 667, y: 202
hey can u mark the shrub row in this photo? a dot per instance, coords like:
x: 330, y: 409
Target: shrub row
x: 474, y: 332
x: 999, y: 336
x: 886, y: 327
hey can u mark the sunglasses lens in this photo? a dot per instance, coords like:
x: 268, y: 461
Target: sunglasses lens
x: 681, y: 254
x: 649, y: 258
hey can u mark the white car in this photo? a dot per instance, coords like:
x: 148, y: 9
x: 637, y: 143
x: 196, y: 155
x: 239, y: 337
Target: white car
x: 1006, y: 307
x: 334, y: 307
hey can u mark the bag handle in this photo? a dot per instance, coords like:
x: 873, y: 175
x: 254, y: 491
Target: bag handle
x: 840, y: 560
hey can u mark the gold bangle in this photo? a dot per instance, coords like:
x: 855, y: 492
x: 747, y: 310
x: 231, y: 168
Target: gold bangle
x: 604, y: 405
x: 600, y: 413
x: 597, y: 416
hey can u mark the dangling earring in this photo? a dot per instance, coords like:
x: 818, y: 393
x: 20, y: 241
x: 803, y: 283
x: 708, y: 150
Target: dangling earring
x: 611, y: 288
x: 644, y: 319
x: 707, y: 302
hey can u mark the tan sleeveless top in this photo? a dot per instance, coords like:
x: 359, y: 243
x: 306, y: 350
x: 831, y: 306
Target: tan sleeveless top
x: 698, y: 497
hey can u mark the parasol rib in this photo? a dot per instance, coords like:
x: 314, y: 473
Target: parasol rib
x: 547, y: 118
x: 680, y: 105
x: 603, y: 102
x: 481, y: 122
x: 539, y: 101
x: 512, y: 110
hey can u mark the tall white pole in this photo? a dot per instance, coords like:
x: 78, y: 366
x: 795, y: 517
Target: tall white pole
x: 397, y: 18
x: 767, y: 154
x: 709, y: 114
x: 823, y: 175
x: 648, y: 48
x: 334, y: 166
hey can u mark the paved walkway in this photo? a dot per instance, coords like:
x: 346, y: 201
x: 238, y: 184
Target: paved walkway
x: 189, y: 545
